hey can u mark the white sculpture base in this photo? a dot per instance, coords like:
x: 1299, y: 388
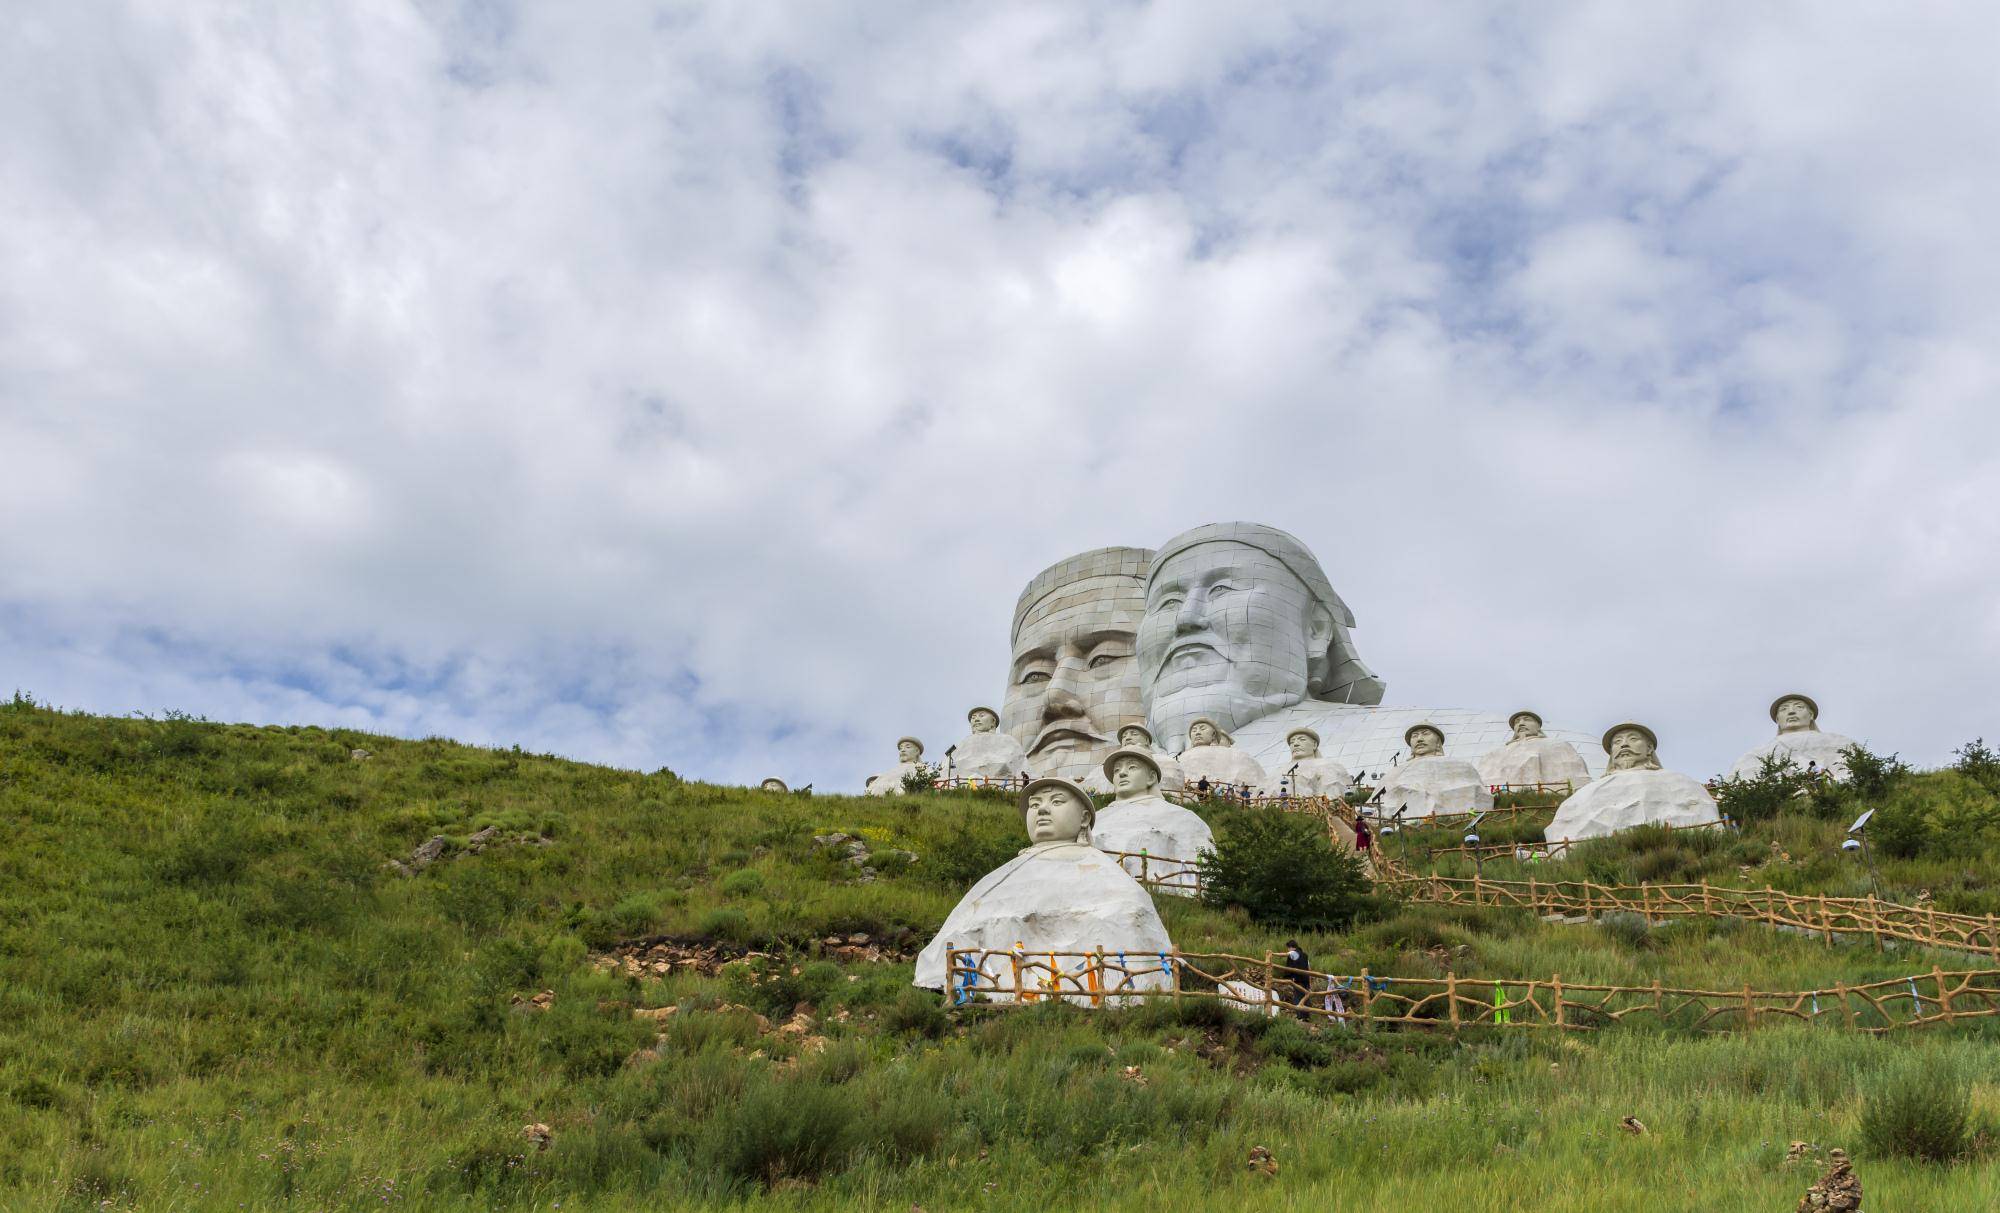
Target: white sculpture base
x: 890, y: 782
x: 1438, y: 783
x: 1163, y: 830
x: 1054, y: 897
x: 1320, y: 776
x: 1224, y: 764
x: 992, y: 755
x: 1534, y: 760
x: 1806, y: 746
x: 1624, y: 799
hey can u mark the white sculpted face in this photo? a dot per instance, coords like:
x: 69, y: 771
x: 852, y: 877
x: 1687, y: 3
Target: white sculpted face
x: 1133, y: 735
x: 1202, y: 733
x: 1074, y: 677
x: 1228, y: 632
x: 1302, y: 745
x: 1526, y: 727
x: 908, y: 751
x: 984, y: 722
x: 1426, y: 742
x: 1054, y: 815
x: 1133, y: 777
x: 1630, y: 750
x: 1794, y: 715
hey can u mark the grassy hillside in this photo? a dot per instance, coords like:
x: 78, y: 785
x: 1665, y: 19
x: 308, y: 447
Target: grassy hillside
x: 216, y: 992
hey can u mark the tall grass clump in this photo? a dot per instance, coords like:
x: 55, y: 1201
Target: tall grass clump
x: 1918, y: 1110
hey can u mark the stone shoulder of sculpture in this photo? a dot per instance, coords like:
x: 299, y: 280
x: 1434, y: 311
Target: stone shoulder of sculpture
x: 1799, y: 739
x: 1141, y: 820
x: 986, y: 752
x: 1531, y: 757
x: 1061, y: 894
x: 1430, y: 783
x: 1211, y: 755
x: 1634, y: 792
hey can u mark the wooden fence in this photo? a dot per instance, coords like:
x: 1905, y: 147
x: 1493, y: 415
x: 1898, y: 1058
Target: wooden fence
x: 1854, y: 917
x: 1366, y: 1002
x: 1161, y: 873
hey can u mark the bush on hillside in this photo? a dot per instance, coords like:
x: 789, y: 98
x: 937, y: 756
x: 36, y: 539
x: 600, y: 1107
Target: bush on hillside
x: 1979, y: 764
x: 1918, y: 1110
x: 1781, y: 784
x: 1282, y: 868
x: 1939, y: 813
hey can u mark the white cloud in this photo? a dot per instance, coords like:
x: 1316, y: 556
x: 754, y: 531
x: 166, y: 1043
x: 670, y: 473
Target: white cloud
x: 650, y: 385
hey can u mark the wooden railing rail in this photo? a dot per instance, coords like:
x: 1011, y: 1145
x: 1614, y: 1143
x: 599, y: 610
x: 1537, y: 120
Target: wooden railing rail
x: 1366, y: 1002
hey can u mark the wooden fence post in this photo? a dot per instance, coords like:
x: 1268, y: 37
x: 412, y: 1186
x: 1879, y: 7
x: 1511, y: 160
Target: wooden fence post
x: 1556, y: 984
x: 1535, y: 905
x: 1367, y: 1001
x: 1846, y: 1011
x: 1478, y: 889
x: 1875, y: 921
x: 1992, y: 937
x: 1707, y: 908
x: 1944, y: 995
x: 1825, y: 920
x: 1451, y: 996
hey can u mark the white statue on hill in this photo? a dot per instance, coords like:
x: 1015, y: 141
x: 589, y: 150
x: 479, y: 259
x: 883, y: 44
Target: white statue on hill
x: 1430, y: 783
x: 1310, y: 774
x: 1531, y: 757
x: 773, y: 784
x: 1634, y: 791
x: 1212, y: 755
x: 987, y: 753
x: 1799, y: 739
x: 1061, y: 894
x: 1141, y: 819
x: 1134, y: 736
x: 909, y: 755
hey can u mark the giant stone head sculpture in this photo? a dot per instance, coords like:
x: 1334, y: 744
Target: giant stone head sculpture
x: 1795, y: 714
x: 1074, y: 677
x: 1240, y: 622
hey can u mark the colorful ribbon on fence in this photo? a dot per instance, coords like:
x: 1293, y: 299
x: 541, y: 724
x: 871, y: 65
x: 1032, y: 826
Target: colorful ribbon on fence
x: 1915, y: 999
x: 1501, y: 1012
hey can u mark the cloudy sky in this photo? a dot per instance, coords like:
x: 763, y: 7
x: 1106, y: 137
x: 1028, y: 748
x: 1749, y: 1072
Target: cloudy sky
x: 697, y: 385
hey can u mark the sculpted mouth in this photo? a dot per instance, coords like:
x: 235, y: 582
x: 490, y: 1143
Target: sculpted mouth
x: 1189, y: 653
x: 1065, y: 738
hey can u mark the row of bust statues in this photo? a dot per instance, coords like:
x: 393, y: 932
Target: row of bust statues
x: 1073, y: 888
x: 1430, y: 782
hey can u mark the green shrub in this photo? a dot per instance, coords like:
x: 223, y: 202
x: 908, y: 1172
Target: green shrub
x: 635, y: 914
x: 1282, y: 868
x: 726, y: 922
x: 1775, y: 788
x: 917, y: 1013
x: 746, y: 883
x: 1918, y: 1110
x: 778, y: 1132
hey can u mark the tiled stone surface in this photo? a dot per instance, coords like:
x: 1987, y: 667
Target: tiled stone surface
x: 1074, y: 676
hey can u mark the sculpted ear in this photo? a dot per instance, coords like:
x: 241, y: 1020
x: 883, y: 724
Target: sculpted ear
x: 1319, y: 629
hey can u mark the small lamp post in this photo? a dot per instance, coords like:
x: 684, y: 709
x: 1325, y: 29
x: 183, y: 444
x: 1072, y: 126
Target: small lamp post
x: 1857, y: 840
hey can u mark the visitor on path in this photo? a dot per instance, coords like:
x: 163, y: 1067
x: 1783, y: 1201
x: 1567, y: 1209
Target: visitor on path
x: 1297, y: 983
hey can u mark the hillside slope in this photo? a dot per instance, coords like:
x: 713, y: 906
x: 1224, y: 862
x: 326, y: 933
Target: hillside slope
x: 217, y: 991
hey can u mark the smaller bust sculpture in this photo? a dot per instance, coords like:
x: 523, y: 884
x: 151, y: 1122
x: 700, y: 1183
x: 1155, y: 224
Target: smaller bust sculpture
x: 773, y: 784
x: 1212, y: 755
x: 1140, y: 819
x: 1061, y: 894
x: 1430, y: 783
x: 1799, y: 739
x: 909, y: 754
x: 987, y: 753
x: 1309, y: 774
x: 1633, y: 791
x: 1530, y: 757
x: 1135, y: 736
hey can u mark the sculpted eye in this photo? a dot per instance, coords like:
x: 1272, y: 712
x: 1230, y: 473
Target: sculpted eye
x: 1104, y: 659
x: 1034, y: 676
x: 1171, y: 602
x: 1220, y: 588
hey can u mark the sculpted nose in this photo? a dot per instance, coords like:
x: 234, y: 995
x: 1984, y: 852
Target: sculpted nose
x: 1192, y: 617
x: 1060, y: 699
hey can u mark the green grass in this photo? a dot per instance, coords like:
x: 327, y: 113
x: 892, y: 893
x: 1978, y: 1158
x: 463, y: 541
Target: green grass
x: 215, y: 994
